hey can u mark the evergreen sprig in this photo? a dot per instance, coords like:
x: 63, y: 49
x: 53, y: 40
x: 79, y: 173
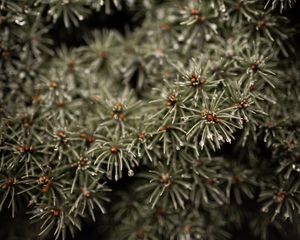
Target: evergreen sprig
x: 183, y: 127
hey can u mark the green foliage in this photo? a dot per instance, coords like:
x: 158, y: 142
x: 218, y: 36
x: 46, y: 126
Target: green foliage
x: 194, y: 112
x: 283, y: 3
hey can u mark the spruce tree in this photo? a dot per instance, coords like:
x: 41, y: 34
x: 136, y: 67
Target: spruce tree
x: 149, y: 119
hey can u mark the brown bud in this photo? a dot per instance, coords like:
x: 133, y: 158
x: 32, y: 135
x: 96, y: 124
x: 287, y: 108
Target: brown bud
x: 43, y: 180
x: 55, y: 212
x: 9, y: 182
x: 113, y: 149
x: 85, y: 192
x: 217, y: 120
x: 194, y: 11
x: 209, y: 117
x: 141, y: 136
x: 82, y: 162
x: 71, y: 65
x: 254, y: 67
x: 61, y: 104
x: 193, y: 78
x: 35, y: 99
x: 165, y: 178
x: 24, y: 148
x: 164, y: 128
x: 261, y: 23
x: 60, y: 134
x: 53, y: 84
x: 280, y: 196
x: 45, y: 188
x: 122, y: 116
x: 117, y: 106
x: 103, y: 54
x: 90, y: 139
x: 87, y: 137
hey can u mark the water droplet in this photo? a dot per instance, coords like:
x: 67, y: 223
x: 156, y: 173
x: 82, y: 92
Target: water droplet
x: 176, y: 46
x: 222, y: 7
x: 209, y: 136
x: 185, y: 118
x: 201, y: 144
x: 177, y: 148
x: 198, y: 236
x: 180, y: 38
x: 296, y: 167
x: 55, y: 149
x: 265, y: 138
x: 22, y: 75
x: 20, y: 21
x: 130, y: 172
x: 128, y: 148
x: 80, y: 17
x: 207, y: 37
x: 265, y: 209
